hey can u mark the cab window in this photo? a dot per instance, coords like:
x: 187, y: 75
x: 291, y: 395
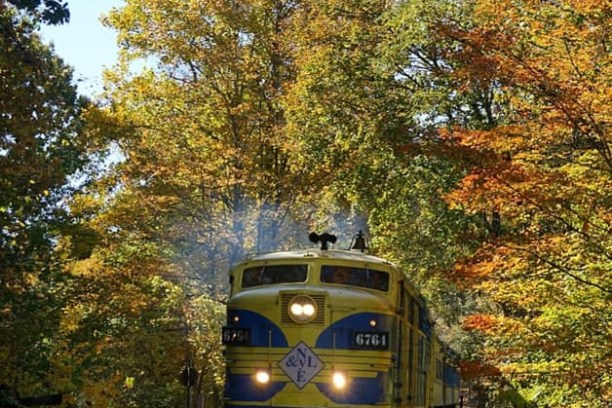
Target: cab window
x: 361, y: 277
x: 273, y: 274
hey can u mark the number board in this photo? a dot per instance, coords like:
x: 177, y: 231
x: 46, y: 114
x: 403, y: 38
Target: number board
x: 236, y: 336
x: 371, y: 340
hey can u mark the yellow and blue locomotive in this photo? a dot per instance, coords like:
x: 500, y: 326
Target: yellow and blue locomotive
x: 331, y: 328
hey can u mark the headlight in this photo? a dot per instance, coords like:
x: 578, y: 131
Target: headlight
x: 339, y: 380
x: 262, y: 377
x: 302, y: 309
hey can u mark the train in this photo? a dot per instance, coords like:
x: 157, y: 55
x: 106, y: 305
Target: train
x: 325, y: 327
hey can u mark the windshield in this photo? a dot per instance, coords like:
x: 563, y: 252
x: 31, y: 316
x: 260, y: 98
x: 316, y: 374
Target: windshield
x: 361, y: 277
x: 273, y: 274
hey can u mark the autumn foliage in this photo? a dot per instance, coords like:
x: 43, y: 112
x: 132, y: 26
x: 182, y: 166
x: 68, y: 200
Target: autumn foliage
x: 541, y: 171
x: 470, y: 138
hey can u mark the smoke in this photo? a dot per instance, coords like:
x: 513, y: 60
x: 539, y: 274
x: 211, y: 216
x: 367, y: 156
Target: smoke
x: 206, y: 244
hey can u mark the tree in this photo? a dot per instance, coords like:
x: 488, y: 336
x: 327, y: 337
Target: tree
x: 41, y: 148
x: 544, y: 171
x: 123, y: 329
x: 206, y: 177
x: 49, y: 11
x: 366, y: 107
x: 214, y: 94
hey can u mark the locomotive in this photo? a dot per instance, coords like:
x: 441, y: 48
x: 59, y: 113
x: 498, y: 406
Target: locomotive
x: 332, y: 328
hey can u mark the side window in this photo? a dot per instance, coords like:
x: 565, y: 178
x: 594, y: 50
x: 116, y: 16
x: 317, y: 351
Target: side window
x: 273, y: 274
x: 361, y: 277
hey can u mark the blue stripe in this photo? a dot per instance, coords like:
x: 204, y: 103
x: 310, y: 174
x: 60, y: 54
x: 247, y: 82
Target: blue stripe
x: 241, y: 387
x: 359, y: 391
x: 451, y: 376
x: 344, y: 329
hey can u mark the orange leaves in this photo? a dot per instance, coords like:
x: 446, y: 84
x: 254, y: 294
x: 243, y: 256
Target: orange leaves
x: 507, y: 189
x: 494, y: 174
x: 505, y: 140
x: 551, y: 51
x: 483, y: 265
x: 474, y: 369
x: 480, y: 322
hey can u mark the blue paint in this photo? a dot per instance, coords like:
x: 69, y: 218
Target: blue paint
x: 451, y: 376
x: 260, y: 328
x: 344, y: 329
x: 242, y: 387
x: 359, y: 391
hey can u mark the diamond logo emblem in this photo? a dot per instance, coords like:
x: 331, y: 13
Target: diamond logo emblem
x: 301, y: 364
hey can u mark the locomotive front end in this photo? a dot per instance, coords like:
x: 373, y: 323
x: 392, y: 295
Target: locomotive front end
x: 310, y: 329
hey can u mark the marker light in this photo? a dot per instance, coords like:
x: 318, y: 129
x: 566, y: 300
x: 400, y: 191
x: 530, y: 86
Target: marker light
x: 339, y: 380
x: 262, y: 377
x: 373, y: 323
x: 302, y: 309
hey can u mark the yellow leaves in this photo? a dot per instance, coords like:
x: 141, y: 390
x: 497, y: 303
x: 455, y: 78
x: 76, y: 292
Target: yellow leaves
x: 101, y: 391
x: 72, y: 316
x: 137, y: 304
x: 520, y: 288
x: 547, y: 367
x: 89, y: 267
x: 483, y: 269
x: 129, y: 382
x: 31, y: 279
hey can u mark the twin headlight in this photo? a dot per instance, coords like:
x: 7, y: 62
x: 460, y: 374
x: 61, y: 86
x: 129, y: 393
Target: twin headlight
x: 302, y: 309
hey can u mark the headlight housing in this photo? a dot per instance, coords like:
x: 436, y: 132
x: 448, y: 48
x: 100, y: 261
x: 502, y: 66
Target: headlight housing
x: 302, y: 309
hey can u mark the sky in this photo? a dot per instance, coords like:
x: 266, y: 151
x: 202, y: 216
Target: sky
x: 84, y: 43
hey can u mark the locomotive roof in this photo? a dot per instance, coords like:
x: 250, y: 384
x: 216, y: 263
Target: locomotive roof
x: 331, y: 254
x: 322, y: 254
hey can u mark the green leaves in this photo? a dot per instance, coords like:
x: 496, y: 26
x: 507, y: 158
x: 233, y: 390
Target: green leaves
x: 50, y: 11
x: 41, y: 148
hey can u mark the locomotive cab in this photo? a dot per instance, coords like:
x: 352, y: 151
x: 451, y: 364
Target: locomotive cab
x: 314, y: 328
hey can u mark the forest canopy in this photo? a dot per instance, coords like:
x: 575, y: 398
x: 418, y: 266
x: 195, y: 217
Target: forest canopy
x: 469, y: 139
